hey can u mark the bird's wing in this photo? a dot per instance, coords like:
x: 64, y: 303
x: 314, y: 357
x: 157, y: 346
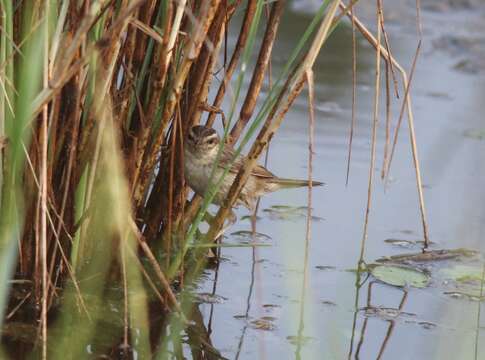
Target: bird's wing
x: 258, y: 170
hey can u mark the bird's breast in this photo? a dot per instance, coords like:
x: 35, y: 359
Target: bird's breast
x: 197, y: 172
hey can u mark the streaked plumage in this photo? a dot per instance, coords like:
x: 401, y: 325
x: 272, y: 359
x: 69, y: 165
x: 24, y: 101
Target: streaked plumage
x: 200, y: 152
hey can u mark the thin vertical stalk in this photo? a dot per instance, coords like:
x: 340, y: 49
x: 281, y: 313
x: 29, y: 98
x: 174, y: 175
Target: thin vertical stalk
x: 354, y: 94
x: 388, y: 49
x: 388, y: 122
x: 479, y: 313
x: 44, y: 184
x: 171, y: 187
x: 308, y: 234
x: 419, y: 24
x: 377, y: 90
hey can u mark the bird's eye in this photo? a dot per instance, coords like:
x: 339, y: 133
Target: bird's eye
x: 211, y: 141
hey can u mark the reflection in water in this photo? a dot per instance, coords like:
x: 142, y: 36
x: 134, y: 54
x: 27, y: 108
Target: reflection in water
x: 301, y: 325
x: 214, y: 288
x: 199, y: 338
x: 248, y: 304
x: 391, y: 322
x: 254, y: 260
x: 477, y: 330
x: 358, y: 285
x: 369, y: 307
x: 194, y: 334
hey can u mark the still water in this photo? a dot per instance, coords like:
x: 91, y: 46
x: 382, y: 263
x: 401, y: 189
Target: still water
x: 258, y: 311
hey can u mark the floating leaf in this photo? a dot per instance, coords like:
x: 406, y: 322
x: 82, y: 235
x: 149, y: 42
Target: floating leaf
x: 400, y: 242
x: 225, y: 245
x: 439, y: 95
x: 208, y: 298
x: 463, y: 273
x: 240, y: 317
x: 424, y: 324
x: 264, y: 323
x: 250, y: 235
x: 288, y: 207
x: 325, y: 267
x: 462, y: 295
x: 477, y: 134
x: 464, y: 281
x: 384, y: 312
x: 271, y: 306
x: 250, y: 217
x: 299, y: 340
x: 285, y: 212
x: 398, y: 275
x: 429, y: 256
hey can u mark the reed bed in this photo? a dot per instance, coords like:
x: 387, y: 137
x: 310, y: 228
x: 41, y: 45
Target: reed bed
x: 95, y: 100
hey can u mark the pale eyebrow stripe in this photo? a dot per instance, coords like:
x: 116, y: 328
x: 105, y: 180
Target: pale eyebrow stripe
x: 213, y: 135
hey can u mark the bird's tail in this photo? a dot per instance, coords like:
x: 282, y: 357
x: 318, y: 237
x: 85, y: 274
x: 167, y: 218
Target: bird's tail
x: 292, y: 183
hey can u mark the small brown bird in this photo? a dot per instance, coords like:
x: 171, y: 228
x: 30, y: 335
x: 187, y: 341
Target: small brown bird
x: 200, y: 152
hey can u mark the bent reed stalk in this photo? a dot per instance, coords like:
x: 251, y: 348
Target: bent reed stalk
x: 95, y: 102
